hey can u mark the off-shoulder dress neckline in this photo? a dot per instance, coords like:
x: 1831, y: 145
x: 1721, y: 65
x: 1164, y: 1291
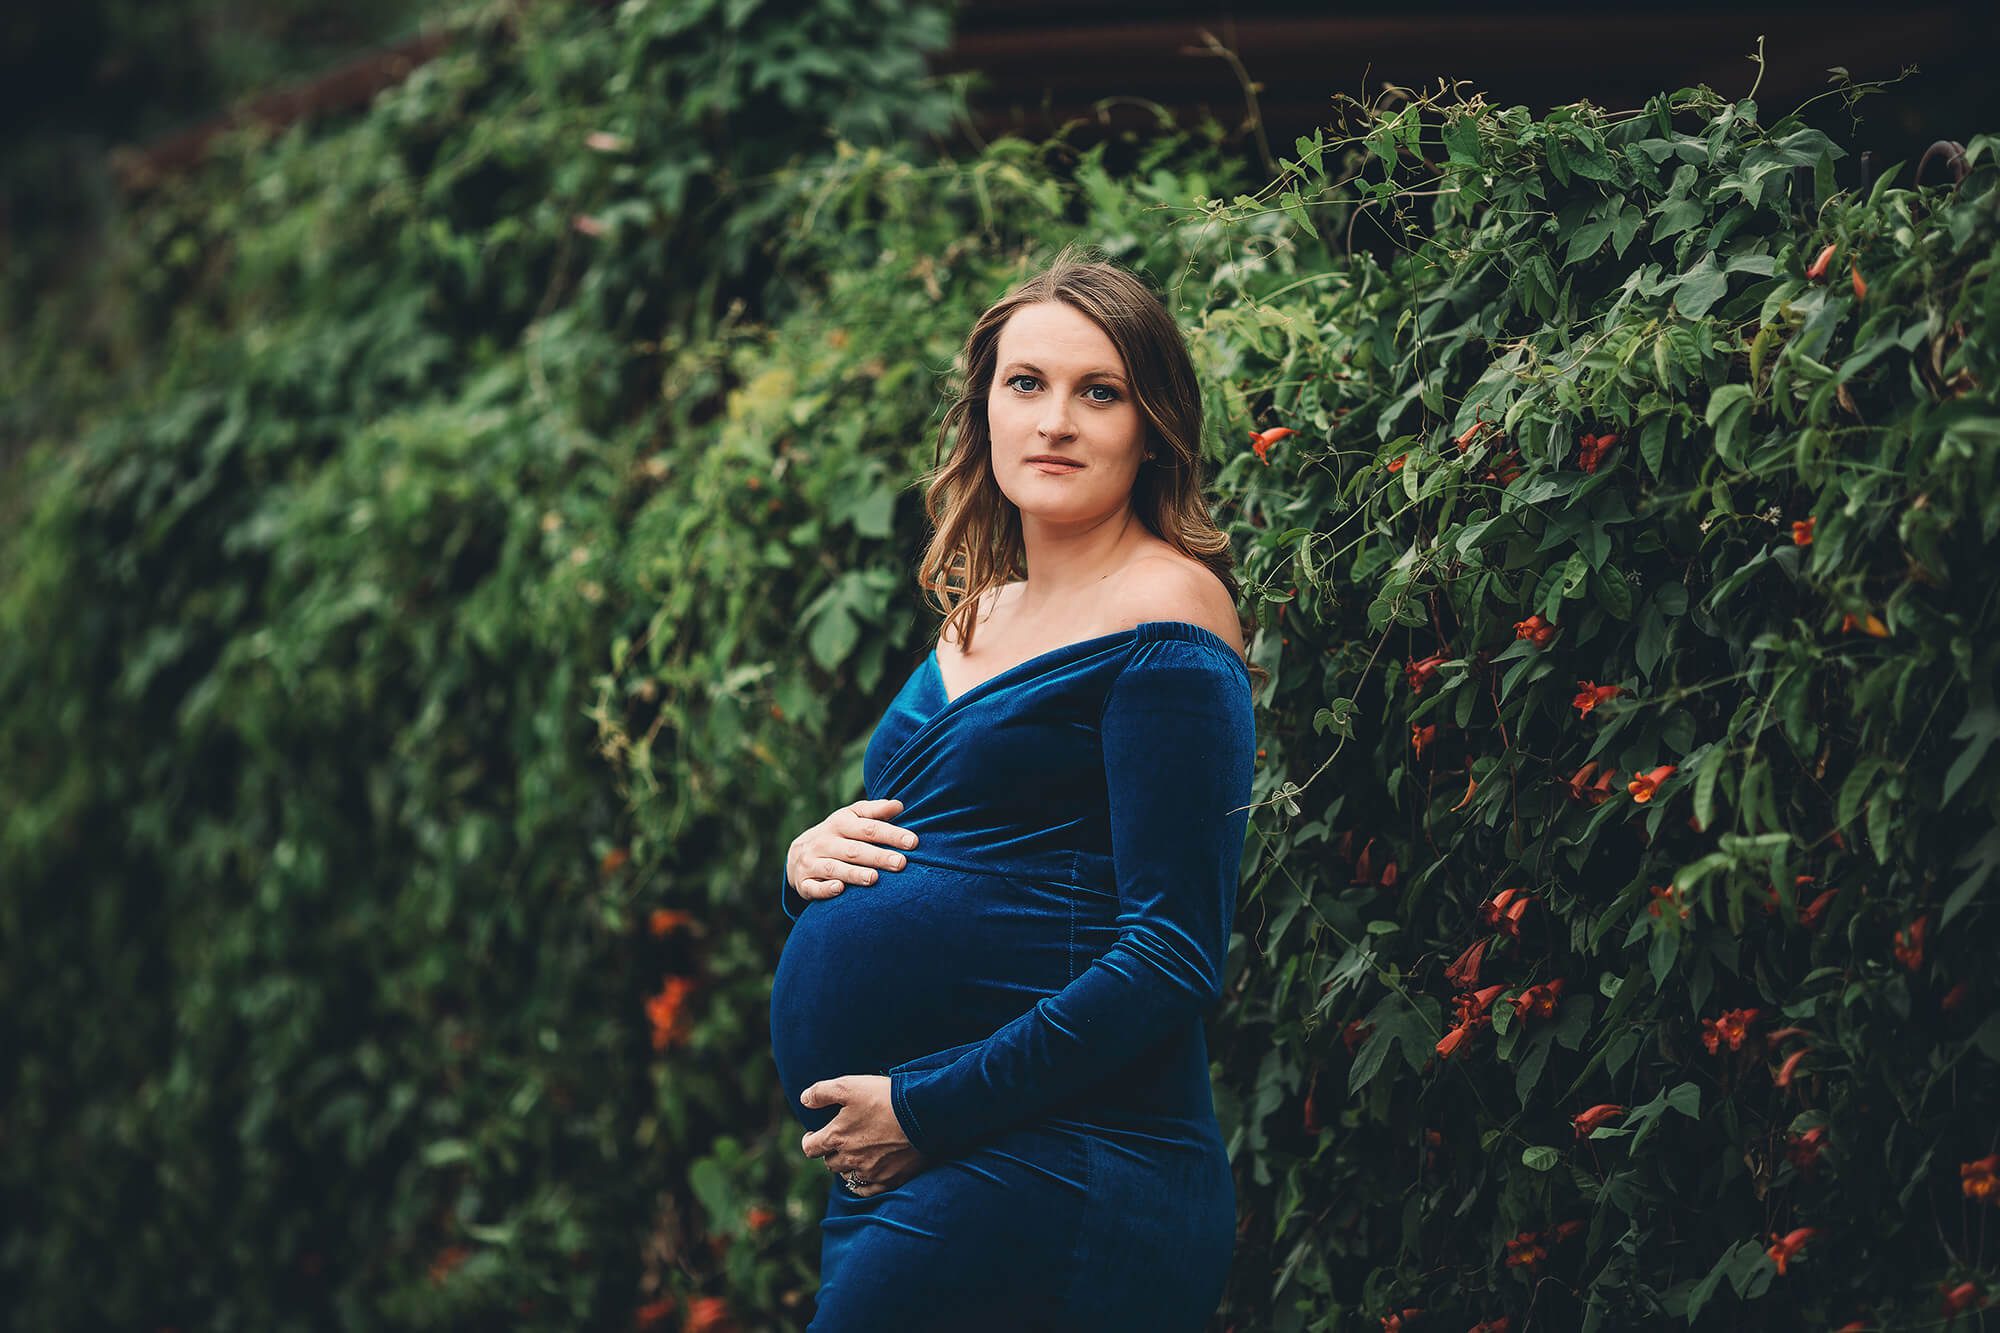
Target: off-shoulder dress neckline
x: 1145, y: 629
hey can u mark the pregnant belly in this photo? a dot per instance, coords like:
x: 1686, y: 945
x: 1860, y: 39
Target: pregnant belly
x: 924, y: 958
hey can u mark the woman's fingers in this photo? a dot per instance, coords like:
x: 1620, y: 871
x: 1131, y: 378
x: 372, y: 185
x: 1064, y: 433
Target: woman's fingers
x: 862, y: 845
x: 865, y: 829
x: 852, y: 863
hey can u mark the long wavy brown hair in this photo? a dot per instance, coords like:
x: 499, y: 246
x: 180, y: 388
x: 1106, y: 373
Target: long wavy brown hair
x: 976, y: 530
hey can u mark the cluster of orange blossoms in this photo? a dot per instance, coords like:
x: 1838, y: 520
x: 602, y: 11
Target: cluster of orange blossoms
x: 1530, y: 1249
x: 664, y: 920
x: 1771, y: 903
x: 1421, y: 738
x: 1802, y: 531
x: 1804, y: 1149
x: 1469, y: 1012
x: 1811, y: 914
x: 449, y: 1258
x: 1396, y: 464
x: 1506, y: 469
x: 1980, y: 1179
x: 1262, y: 440
x: 1591, y: 450
x: 1732, y: 1027
x: 1418, y: 674
x: 1581, y: 786
x: 1501, y: 1324
x: 1364, y: 865
x: 1538, y: 1001
x: 1589, y: 694
x: 1672, y: 896
x: 1786, y: 1247
x: 1535, y: 628
x: 1464, y: 970
x: 1871, y: 625
x: 1472, y: 1008
x: 665, y: 1011
x: 1790, y: 1068
x: 1816, y: 271
x: 1909, y: 943
x: 1961, y: 1298
x: 705, y: 1314
x: 1504, y: 910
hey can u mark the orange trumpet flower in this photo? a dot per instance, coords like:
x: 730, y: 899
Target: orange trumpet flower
x: 1644, y: 785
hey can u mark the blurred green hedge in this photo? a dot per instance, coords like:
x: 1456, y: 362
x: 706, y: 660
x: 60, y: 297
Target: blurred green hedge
x: 486, y: 537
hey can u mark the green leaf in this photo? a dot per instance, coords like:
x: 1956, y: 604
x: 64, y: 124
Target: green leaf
x: 1700, y: 287
x: 1614, y: 594
x: 1728, y: 409
x: 1981, y: 860
x: 1660, y: 955
x: 1528, y: 1071
x: 1723, y: 399
x: 1337, y: 717
x: 1880, y: 806
x: 1979, y: 730
x: 1651, y: 644
x: 1461, y: 140
x: 1540, y: 1157
x: 444, y: 1152
x: 1583, y: 242
x: 1704, y: 788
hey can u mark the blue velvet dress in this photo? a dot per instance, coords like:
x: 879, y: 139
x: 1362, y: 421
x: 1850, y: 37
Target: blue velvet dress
x: 1033, y: 983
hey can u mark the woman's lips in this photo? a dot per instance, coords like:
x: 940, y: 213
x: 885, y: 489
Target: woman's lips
x: 1054, y: 469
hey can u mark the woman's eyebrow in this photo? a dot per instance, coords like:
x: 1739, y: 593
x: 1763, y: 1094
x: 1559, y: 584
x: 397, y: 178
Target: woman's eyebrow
x: 1037, y: 370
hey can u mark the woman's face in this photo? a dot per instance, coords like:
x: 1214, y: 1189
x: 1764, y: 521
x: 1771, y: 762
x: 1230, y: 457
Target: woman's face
x: 1059, y: 390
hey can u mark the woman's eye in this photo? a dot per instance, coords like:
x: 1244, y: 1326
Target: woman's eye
x: 1107, y: 388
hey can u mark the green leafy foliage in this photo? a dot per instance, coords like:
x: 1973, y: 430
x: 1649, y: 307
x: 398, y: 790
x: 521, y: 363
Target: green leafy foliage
x: 1650, y: 576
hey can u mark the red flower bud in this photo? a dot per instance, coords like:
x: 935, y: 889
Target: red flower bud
x: 1595, y: 1117
x: 1464, y: 971
x: 1910, y: 943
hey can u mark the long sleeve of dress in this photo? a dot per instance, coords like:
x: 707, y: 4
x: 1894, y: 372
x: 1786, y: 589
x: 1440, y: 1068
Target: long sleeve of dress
x: 1179, y: 743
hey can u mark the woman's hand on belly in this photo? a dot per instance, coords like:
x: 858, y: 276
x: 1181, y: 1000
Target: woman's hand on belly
x: 841, y: 849
x: 864, y: 1137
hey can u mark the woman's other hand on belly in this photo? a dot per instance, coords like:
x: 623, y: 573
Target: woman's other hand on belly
x: 843, y: 849
x: 864, y: 1137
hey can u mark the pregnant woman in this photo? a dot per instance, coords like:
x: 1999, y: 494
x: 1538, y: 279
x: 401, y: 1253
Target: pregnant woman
x: 988, y: 1012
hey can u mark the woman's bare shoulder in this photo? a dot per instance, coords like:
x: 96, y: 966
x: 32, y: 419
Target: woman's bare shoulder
x: 1172, y: 586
